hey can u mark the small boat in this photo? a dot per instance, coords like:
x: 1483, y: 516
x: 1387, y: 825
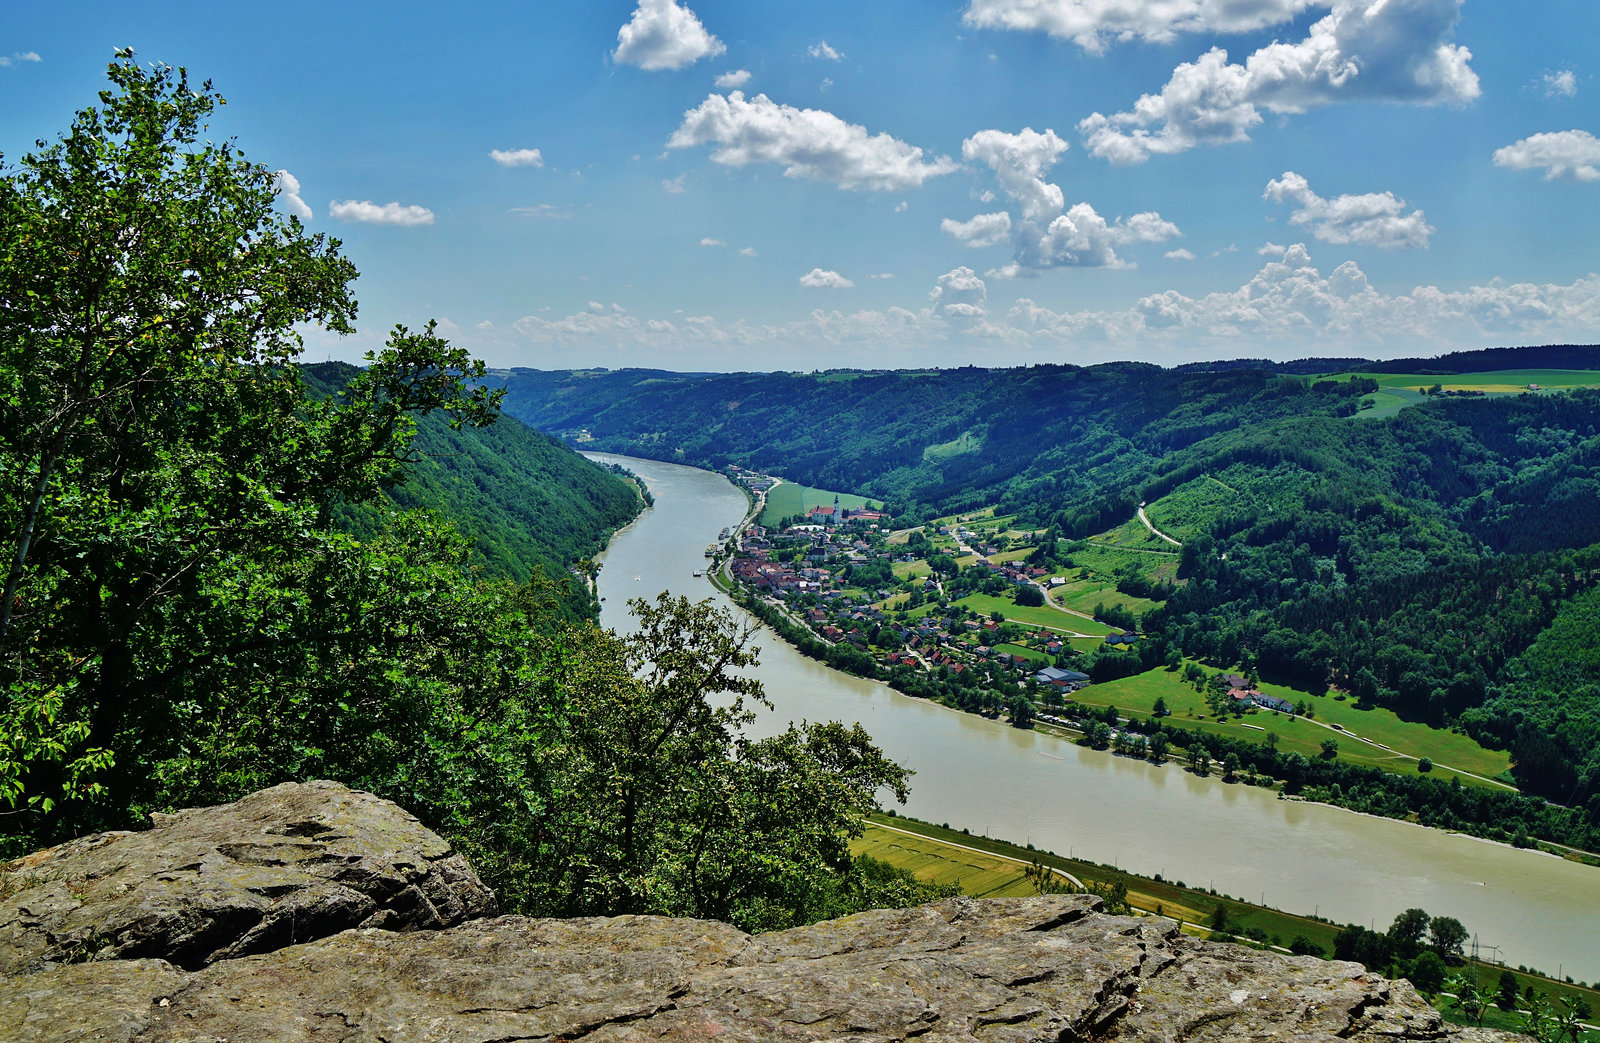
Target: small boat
x: 698, y: 573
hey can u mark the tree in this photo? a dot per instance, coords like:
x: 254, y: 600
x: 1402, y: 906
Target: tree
x: 1330, y: 749
x: 1230, y: 766
x: 1424, y: 765
x: 1427, y: 972
x: 1159, y: 709
x: 166, y: 483
x: 1300, y: 945
x: 1407, y: 932
x: 1029, y: 596
x: 1469, y: 1001
x: 1506, y: 992
x: 1022, y: 711
x: 1221, y: 921
x: 1447, y: 935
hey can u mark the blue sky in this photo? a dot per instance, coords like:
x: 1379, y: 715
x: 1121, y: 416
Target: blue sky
x: 734, y: 185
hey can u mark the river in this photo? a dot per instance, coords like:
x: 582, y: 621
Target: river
x: 1028, y: 787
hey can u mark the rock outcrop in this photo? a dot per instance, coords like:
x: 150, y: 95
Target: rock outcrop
x: 1047, y: 968
x: 289, y: 864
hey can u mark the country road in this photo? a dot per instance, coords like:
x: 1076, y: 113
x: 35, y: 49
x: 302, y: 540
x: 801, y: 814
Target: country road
x: 1147, y: 524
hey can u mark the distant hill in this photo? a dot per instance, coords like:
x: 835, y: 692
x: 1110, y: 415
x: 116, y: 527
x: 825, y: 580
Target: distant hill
x: 1417, y: 561
x: 525, y: 499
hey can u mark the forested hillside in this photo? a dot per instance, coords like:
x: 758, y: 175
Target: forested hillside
x: 524, y: 499
x: 1413, y: 561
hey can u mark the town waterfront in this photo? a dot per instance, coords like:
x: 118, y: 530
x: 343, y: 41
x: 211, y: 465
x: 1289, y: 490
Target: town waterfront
x: 1029, y: 787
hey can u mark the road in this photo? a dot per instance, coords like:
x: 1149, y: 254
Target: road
x: 1147, y: 524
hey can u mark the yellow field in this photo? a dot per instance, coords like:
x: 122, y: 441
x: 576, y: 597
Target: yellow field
x: 977, y: 874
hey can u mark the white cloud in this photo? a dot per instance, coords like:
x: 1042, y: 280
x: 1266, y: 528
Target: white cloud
x: 1091, y: 24
x: 822, y: 50
x: 19, y: 58
x: 288, y: 188
x: 1269, y: 250
x: 807, y: 143
x: 882, y: 275
x: 1286, y: 308
x: 1562, y: 84
x: 673, y: 185
x: 521, y: 157
x: 730, y: 80
x: 901, y: 206
x: 1565, y: 155
x: 1180, y: 254
x: 982, y: 230
x: 708, y: 241
x: 1231, y: 248
x: 549, y: 210
x: 822, y: 279
x: 1081, y: 238
x: 825, y: 84
x: 1019, y: 162
x: 1396, y: 50
x: 663, y: 35
x: 367, y: 212
x: 1373, y: 219
x: 1045, y: 237
x: 961, y: 296
x: 748, y: 251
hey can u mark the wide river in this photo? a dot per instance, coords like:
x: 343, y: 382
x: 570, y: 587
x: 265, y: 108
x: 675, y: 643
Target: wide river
x: 1028, y: 787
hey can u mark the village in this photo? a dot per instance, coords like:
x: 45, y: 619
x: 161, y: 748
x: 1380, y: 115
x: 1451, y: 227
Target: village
x: 832, y: 570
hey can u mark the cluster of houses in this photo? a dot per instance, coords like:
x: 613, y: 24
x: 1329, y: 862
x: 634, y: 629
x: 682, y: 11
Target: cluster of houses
x: 1242, y: 695
x: 833, y: 538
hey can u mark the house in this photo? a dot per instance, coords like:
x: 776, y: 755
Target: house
x: 1055, y: 675
x: 1236, y: 681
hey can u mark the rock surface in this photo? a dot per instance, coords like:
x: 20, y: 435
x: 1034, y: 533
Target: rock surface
x: 289, y: 864
x: 1002, y: 970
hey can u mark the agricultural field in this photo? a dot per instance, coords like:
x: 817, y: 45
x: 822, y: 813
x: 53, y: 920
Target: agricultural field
x: 1407, y: 740
x: 790, y: 499
x: 1398, y: 390
x: 1082, y: 593
x: 976, y: 873
x: 1044, y: 616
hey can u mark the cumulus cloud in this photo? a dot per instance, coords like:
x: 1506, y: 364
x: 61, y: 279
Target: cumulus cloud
x: 807, y: 143
x: 521, y: 157
x: 822, y: 279
x: 1081, y: 238
x: 19, y: 58
x: 288, y: 188
x: 371, y: 213
x: 822, y: 50
x: 664, y: 35
x: 1092, y: 24
x: 1180, y: 254
x: 1562, y: 84
x: 1269, y: 250
x: 1373, y: 219
x: 1565, y: 155
x: 961, y: 296
x: 735, y: 78
x: 1019, y: 162
x: 1398, y: 51
x: 1045, y: 237
x: 982, y: 230
x: 1289, y: 301
x: 708, y: 241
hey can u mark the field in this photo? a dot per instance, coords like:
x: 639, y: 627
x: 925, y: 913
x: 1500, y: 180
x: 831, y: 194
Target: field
x: 967, y: 442
x: 1398, y: 390
x: 1083, y: 594
x: 1044, y: 616
x: 1407, y: 740
x: 941, y: 854
x: 1189, y: 510
x: 790, y: 499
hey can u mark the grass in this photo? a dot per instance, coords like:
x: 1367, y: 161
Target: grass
x: 1153, y: 563
x: 1032, y: 654
x: 1083, y: 594
x: 1044, y: 616
x: 1137, y: 695
x: 790, y: 499
x: 1398, y: 390
x: 1189, y: 510
x: 996, y: 866
x: 967, y: 442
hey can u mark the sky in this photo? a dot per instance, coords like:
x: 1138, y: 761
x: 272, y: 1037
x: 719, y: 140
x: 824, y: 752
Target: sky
x: 737, y: 185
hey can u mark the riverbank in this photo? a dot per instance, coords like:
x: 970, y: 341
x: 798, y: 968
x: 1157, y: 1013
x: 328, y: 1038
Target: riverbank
x: 1040, y: 788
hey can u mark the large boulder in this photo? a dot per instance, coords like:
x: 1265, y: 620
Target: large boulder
x: 1048, y: 968
x: 290, y: 864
